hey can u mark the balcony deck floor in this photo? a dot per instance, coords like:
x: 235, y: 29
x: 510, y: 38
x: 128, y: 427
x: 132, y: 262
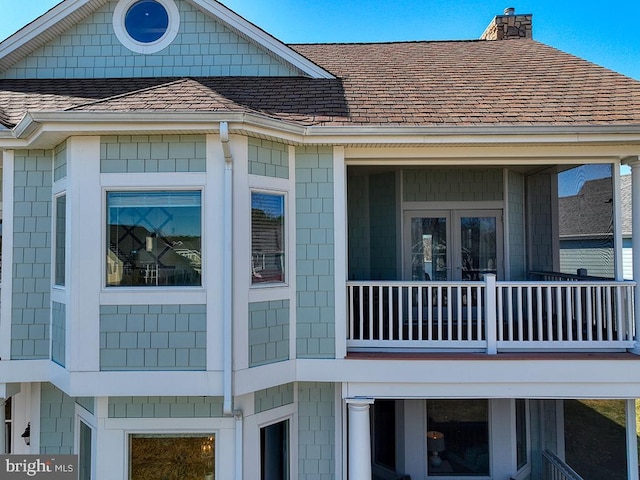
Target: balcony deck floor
x: 508, y: 356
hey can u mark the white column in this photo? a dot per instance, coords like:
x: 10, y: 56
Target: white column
x: 632, y: 440
x: 359, y: 438
x: 635, y: 227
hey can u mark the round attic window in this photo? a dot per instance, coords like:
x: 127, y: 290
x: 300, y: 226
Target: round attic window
x: 146, y: 26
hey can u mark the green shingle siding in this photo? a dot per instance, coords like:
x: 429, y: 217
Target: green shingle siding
x: 203, y: 47
x: 315, y: 310
x: 31, y: 269
x: 153, y: 337
x: 153, y: 153
x: 57, y: 416
x: 268, y: 332
x: 58, y: 332
x: 268, y: 159
x: 165, y: 407
x: 273, y: 397
x: 316, y: 431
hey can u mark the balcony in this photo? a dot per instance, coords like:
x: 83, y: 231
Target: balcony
x: 490, y: 316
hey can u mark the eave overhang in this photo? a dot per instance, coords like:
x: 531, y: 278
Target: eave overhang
x: 48, y: 129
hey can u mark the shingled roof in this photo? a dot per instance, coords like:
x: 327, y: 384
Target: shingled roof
x: 457, y: 83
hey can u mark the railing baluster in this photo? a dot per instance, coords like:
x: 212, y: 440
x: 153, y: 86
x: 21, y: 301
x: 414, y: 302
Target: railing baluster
x: 400, y: 311
x: 351, y: 317
x: 619, y: 316
x: 539, y: 309
x: 370, y: 289
x: 599, y: 312
x: 470, y: 291
x: 380, y: 312
x: 510, y: 312
x: 529, y: 313
x: 569, y: 313
x: 420, y: 312
x: 459, y: 314
x: 361, y: 313
x: 608, y: 312
x: 559, y: 311
x: 450, y: 306
x: 430, y: 313
x: 480, y: 317
x: 439, y: 313
x: 589, y: 314
x: 499, y: 295
x: 549, y: 310
x: 390, y: 312
x: 520, y: 313
x: 578, y: 308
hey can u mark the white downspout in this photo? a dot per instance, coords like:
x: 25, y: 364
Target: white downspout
x: 239, y: 439
x: 227, y: 278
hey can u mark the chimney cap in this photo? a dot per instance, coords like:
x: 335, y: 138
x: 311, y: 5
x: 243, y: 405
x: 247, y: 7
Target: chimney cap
x: 509, y: 11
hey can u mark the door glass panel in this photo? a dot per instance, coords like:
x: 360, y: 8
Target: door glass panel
x: 429, y: 249
x: 478, y: 247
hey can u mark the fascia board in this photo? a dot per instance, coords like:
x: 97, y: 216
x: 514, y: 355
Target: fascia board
x: 44, y: 25
x: 262, y: 38
x: 625, y: 138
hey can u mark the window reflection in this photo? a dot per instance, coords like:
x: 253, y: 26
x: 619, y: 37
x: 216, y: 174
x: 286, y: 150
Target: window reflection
x: 154, y: 238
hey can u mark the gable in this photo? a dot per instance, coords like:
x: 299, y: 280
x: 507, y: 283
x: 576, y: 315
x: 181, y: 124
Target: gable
x: 203, y: 46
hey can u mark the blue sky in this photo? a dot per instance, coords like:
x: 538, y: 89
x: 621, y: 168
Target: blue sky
x: 597, y: 31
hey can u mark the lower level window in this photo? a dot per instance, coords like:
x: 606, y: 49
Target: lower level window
x: 172, y: 457
x: 458, y: 437
x: 154, y: 238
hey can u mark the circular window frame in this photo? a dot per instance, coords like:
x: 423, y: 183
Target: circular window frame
x: 120, y: 29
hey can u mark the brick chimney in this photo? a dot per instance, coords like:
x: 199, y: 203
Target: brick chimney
x: 509, y: 25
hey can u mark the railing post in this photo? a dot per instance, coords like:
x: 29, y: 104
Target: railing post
x: 491, y: 317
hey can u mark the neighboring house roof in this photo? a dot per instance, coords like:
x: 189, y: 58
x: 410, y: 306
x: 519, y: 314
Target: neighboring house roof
x: 589, y: 214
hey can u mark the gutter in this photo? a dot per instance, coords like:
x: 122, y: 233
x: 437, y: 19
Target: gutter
x: 227, y: 275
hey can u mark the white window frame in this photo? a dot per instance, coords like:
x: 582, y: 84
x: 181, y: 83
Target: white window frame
x: 85, y: 416
x: 287, y: 247
x: 164, y: 289
x: 120, y: 29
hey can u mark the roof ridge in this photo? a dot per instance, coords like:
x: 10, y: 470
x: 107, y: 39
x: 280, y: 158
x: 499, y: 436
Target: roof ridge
x: 392, y: 42
x: 123, y: 95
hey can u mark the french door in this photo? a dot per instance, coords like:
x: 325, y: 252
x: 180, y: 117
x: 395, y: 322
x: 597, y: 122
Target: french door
x: 442, y: 245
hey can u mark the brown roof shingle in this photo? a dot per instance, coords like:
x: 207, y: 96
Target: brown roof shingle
x: 514, y: 82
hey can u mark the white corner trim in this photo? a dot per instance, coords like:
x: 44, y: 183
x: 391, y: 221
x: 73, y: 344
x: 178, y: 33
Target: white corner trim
x: 263, y: 38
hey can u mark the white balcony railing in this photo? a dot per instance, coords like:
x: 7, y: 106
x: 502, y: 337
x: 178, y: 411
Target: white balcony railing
x: 556, y: 469
x: 491, y: 316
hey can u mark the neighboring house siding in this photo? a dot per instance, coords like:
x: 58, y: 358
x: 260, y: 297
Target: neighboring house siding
x: 516, y: 224
x: 58, y: 332
x: 273, y: 397
x: 57, y: 414
x: 60, y: 162
x: 268, y: 332
x: 316, y: 431
x: 315, y: 312
x: 268, y: 159
x: 154, y: 153
x: 542, y: 195
x: 153, y: 337
x: 597, y: 260
x: 31, y: 270
x: 203, y: 47
x: 442, y: 185
x: 627, y: 262
x: 165, y: 407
